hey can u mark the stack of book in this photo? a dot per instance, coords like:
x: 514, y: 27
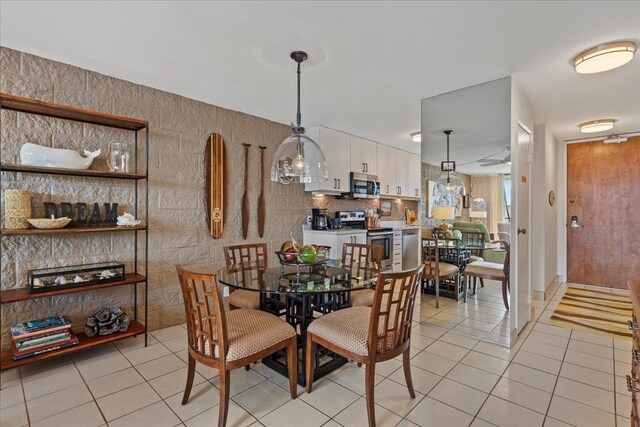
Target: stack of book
x: 41, y: 336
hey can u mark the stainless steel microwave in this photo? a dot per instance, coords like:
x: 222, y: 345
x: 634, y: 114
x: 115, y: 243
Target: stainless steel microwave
x: 364, y: 186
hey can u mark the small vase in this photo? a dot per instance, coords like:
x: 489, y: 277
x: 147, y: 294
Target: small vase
x: 118, y: 155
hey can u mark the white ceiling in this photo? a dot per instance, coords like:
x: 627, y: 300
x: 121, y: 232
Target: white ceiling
x: 371, y: 62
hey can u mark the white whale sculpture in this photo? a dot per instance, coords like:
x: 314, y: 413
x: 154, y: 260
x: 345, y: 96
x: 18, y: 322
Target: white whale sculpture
x: 38, y: 155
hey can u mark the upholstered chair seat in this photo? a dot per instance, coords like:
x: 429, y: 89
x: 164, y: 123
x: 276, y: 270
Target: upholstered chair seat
x: 241, y: 298
x: 250, y: 332
x: 487, y: 269
x: 445, y: 270
x: 475, y: 258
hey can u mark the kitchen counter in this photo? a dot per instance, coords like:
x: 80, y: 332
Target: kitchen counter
x: 336, y: 231
x: 399, y: 225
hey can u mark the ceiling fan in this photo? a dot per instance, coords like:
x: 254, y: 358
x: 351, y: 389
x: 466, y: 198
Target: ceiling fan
x: 489, y: 161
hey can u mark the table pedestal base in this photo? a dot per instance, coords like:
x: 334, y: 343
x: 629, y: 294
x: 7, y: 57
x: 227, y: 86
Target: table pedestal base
x: 299, y: 311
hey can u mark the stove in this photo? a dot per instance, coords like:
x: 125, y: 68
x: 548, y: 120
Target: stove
x: 382, y: 236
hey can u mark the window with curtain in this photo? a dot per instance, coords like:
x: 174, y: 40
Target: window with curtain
x: 492, y: 189
x: 507, y: 198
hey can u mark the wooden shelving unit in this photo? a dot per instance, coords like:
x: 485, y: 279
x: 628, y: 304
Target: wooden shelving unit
x: 70, y: 172
x: 17, y: 295
x: 22, y: 294
x: 135, y: 328
x: 67, y: 230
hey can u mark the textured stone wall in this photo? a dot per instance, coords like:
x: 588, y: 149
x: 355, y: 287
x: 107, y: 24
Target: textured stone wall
x: 179, y: 129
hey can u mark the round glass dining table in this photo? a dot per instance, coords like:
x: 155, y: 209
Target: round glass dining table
x: 300, y: 294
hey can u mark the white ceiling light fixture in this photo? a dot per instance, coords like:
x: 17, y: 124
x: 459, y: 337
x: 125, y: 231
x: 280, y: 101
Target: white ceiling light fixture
x: 416, y: 137
x: 593, y: 126
x: 298, y: 158
x: 604, y: 57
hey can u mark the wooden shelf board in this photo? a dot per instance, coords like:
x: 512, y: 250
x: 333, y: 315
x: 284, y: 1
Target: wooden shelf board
x: 135, y: 328
x: 21, y: 294
x: 90, y: 229
x: 33, y: 106
x: 70, y: 172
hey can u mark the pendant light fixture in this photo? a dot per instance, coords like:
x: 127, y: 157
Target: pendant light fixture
x: 298, y: 158
x: 449, y: 186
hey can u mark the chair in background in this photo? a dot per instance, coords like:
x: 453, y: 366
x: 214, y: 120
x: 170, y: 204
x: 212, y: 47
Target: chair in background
x: 487, y: 254
x: 228, y: 340
x: 370, y: 335
x: 434, y: 270
x: 474, y: 238
x: 504, y: 236
x: 492, y: 271
x: 248, y: 253
x: 358, y: 257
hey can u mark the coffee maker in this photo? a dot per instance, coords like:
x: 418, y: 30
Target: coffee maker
x: 319, y: 219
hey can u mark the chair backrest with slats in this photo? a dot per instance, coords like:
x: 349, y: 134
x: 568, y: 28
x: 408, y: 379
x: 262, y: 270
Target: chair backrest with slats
x: 206, y: 319
x: 251, y: 252
x: 358, y: 256
x: 473, y: 238
x: 392, y: 310
x: 431, y: 256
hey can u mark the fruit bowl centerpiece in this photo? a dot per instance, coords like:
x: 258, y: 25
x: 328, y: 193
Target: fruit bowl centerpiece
x: 315, y: 257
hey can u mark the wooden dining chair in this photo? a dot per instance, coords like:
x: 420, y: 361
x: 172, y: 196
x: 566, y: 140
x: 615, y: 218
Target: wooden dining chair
x: 228, y: 340
x: 474, y: 238
x: 358, y: 258
x: 492, y: 271
x: 237, y: 254
x: 370, y: 335
x: 435, y: 270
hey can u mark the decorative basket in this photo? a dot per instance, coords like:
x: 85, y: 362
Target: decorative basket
x: 47, y: 223
x: 17, y: 209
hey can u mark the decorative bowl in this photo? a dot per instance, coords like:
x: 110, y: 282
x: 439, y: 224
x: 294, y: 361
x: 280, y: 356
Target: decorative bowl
x: 48, y: 224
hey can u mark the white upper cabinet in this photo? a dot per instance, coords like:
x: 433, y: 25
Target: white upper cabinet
x: 401, y: 172
x: 398, y: 171
x: 336, y: 149
x: 414, y: 173
x: 363, y: 155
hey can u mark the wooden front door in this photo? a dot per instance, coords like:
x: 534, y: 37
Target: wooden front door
x: 603, y: 195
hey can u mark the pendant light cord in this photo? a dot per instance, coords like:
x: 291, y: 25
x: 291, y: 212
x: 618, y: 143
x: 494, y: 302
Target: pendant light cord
x: 448, y: 168
x: 298, y: 115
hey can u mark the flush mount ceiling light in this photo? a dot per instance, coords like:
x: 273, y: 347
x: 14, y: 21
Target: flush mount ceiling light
x: 604, y: 57
x: 416, y: 137
x: 298, y: 158
x: 596, y: 125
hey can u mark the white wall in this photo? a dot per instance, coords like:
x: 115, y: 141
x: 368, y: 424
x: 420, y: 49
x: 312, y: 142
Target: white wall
x: 551, y: 212
x: 544, y: 217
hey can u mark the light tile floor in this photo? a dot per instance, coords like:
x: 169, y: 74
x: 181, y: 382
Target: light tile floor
x: 551, y: 377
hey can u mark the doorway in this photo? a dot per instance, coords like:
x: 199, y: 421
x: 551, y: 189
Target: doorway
x: 603, y: 199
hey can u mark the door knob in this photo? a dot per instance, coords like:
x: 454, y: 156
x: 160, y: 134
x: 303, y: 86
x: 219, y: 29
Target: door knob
x: 522, y: 231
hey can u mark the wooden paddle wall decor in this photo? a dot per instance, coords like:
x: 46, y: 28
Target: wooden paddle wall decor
x: 214, y: 184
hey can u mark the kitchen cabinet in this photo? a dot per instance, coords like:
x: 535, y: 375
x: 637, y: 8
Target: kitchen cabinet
x: 414, y: 172
x: 363, y: 155
x: 391, y: 185
x: 334, y: 239
x: 336, y: 149
x: 384, y: 173
x: 401, y: 172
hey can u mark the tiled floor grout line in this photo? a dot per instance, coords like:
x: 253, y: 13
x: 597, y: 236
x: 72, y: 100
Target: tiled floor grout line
x: 84, y: 381
x: 24, y: 397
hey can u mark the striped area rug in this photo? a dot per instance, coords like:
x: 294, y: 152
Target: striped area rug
x: 598, y: 312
